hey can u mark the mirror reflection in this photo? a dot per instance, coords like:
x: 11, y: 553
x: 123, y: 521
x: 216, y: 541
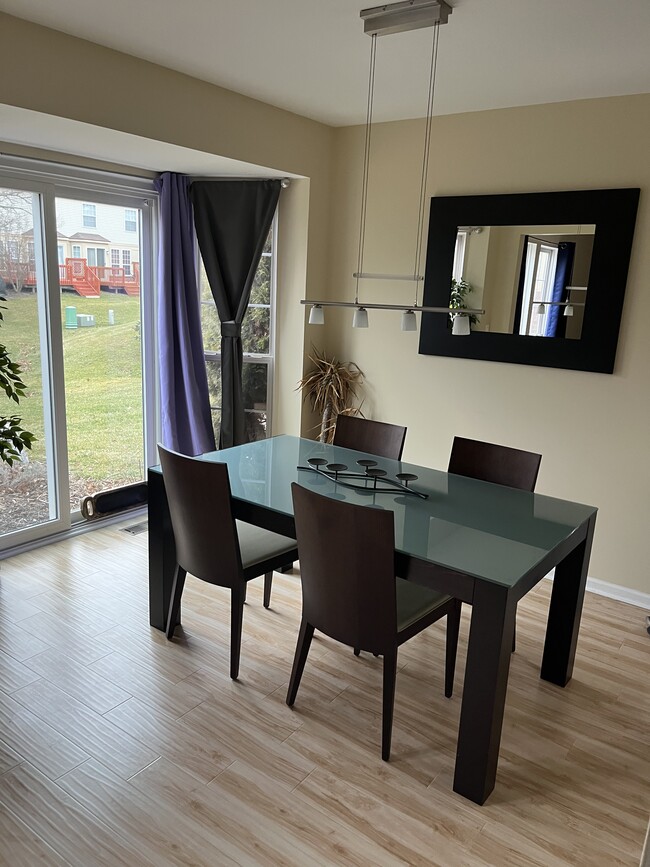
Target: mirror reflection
x: 531, y: 280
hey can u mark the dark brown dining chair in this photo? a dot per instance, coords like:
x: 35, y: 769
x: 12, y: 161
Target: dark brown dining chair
x: 362, y: 435
x: 500, y: 465
x: 494, y: 463
x: 210, y: 544
x: 373, y: 437
x: 350, y: 592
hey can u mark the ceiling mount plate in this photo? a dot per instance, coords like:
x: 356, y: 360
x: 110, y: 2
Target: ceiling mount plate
x: 404, y: 16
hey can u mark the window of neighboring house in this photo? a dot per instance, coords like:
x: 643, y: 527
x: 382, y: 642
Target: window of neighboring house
x: 89, y: 216
x: 115, y: 258
x: 130, y: 220
x: 30, y: 252
x: 258, y: 345
x: 76, y: 251
x: 13, y: 249
x: 59, y: 251
x: 126, y: 261
x: 96, y: 257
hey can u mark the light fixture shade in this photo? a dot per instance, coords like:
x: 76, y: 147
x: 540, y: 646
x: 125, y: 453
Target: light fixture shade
x: 540, y: 309
x: 360, y: 318
x: 568, y: 310
x: 460, y: 326
x: 317, y: 315
x: 409, y: 322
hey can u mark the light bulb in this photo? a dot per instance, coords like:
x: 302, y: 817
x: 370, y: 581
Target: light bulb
x: 360, y: 318
x: 568, y: 310
x: 409, y: 322
x: 541, y: 309
x: 316, y: 315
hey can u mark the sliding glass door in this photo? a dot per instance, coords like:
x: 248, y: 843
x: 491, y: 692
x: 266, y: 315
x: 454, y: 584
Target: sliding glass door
x: 75, y: 269
x: 29, y: 489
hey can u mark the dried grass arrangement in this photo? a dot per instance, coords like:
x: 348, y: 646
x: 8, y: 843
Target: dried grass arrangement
x: 332, y: 389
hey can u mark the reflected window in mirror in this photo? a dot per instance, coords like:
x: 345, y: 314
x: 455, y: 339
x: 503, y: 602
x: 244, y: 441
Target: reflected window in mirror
x: 541, y: 265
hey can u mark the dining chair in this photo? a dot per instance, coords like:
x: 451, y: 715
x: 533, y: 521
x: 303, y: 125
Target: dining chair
x: 490, y: 462
x: 362, y: 435
x: 351, y: 594
x: 366, y: 435
x: 211, y: 544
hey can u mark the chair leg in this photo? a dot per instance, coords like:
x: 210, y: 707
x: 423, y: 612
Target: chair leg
x: 268, y: 582
x: 357, y: 651
x: 175, y: 603
x: 236, y: 623
x: 514, y: 636
x: 390, y: 672
x: 302, y: 649
x: 453, y: 628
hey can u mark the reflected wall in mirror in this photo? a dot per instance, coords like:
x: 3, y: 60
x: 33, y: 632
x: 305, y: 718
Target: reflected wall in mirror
x: 541, y: 265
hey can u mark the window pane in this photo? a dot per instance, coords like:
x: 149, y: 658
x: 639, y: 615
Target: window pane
x: 213, y: 368
x: 26, y: 488
x: 211, y: 328
x: 254, y: 381
x: 103, y: 362
x: 261, y: 290
x: 255, y: 330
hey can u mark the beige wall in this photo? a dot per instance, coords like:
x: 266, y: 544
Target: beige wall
x: 60, y: 75
x: 591, y: 429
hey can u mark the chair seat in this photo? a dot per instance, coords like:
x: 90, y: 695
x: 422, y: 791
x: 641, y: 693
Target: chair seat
x: 415, y: 601
x: 258, y: 545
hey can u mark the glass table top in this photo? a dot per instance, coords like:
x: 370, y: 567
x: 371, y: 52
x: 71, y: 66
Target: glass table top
x: 484, y: 530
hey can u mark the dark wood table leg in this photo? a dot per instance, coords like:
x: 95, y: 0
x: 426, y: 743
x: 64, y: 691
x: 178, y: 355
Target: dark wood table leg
x: 162, y: 552
x: 565, y: 611
x: 484, y: 690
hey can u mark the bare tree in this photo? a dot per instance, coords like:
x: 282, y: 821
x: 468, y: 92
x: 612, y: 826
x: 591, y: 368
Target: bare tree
x: 16, y: 238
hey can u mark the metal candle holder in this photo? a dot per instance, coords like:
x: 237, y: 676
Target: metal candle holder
x: 372, y: 472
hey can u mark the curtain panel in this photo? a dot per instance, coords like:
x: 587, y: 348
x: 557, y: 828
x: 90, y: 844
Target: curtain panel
x: 232, y: 220
x: 184, y: 396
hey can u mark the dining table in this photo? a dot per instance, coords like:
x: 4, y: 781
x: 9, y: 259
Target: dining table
x: 485, y: 544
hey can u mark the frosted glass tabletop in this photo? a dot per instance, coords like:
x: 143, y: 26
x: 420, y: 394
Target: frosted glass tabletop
x: 484, y: 530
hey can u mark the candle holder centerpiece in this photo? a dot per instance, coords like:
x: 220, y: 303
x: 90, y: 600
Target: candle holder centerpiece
x: 371, y: 478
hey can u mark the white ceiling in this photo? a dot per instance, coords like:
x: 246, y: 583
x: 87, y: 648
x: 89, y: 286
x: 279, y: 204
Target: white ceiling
x: 311, y: 56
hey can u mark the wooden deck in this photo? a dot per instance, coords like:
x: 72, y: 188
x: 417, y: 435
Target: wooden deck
x: 119, y: 747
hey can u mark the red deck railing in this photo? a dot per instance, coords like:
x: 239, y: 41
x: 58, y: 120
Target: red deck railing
x: 88, y: 280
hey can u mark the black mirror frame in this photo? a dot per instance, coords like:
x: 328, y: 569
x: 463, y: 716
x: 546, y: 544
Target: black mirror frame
x: 614, y: 214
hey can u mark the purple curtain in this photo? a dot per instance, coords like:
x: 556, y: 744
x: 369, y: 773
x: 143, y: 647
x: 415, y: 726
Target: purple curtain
x: 563, y: 269
x: 184, y: 397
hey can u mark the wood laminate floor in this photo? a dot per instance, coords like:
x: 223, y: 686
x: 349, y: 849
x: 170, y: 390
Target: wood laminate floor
x: 119, y: 747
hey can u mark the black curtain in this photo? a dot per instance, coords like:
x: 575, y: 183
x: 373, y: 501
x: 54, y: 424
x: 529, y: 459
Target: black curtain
x: 232, y: 220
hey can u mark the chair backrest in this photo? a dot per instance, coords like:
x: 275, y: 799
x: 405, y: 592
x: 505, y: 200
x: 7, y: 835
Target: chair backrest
x: 198, y: 493
x: 373, y: 437
x: 494, y: 463
x: 347, y: 570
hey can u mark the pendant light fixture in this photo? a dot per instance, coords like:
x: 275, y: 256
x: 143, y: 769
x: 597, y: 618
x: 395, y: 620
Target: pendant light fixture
x: 380, y: 21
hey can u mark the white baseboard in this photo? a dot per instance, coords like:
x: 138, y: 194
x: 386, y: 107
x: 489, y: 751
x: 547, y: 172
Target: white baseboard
x: 623, y: 594
x: 615, y: 591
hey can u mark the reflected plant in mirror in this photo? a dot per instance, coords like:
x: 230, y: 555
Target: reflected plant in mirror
x: 542, y: 265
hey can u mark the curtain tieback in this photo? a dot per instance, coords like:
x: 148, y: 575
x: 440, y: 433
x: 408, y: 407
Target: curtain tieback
x: 230, y: 329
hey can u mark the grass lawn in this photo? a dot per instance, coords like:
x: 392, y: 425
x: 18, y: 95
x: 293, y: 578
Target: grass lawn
x: 103, y: 384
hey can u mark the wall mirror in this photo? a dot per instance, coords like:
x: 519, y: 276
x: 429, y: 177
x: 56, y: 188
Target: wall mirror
x: 549, y: 269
